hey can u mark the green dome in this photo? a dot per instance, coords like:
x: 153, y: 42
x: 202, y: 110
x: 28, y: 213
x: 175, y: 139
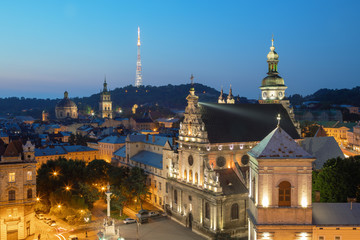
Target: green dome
x: 273, y: 80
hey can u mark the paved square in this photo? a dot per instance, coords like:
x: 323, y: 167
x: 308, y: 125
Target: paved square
x: 158, y: 229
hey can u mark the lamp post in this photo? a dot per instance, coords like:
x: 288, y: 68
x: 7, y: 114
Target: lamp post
x: 108, y: 194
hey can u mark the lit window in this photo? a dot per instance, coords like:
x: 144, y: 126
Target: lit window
x: 12, y: 177
x: 284, y: 194
x: 29, y: 176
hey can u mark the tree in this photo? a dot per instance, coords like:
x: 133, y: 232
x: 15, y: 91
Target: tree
x: 137, y: 184
x: 90, y: 194
x: 97, y: 172
x: 338, y: 179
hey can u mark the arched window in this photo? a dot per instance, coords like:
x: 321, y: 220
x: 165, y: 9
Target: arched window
x: 196, y: 178
x: 175, y: 196
x: 29, y: 193
x: 207, y: 210
x: 190, y: 176
x: 12, y: 195
x: 185, y: 175
x: 284, y: 194
x: 234, y: 211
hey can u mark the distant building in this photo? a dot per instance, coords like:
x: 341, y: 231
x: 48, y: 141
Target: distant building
x: 105, y: 104
x: 17, y: 191
x: 167, y: 122
x: 142, y: 124
x: 75, y: 152
x: 109, y: 145
x: 45, y: 116
x: 318, y: 115
x: 147, y: 152
x: 66, y: 108
x: 353, y: 138
x: 339, y: 130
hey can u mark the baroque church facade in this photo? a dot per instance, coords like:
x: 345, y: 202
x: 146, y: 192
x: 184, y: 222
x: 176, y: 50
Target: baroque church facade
x: 208, y: 184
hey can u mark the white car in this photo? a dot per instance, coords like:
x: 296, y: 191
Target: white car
x: 129, y: 220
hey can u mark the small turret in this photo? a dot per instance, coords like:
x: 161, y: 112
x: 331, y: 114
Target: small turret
x: 230, y: 98
x: 221, y: 97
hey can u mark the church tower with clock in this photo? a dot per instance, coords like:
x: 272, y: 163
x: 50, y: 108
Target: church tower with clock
x: 273, y: 86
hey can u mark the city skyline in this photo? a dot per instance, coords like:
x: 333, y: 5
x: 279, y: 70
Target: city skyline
x: 47, y: 48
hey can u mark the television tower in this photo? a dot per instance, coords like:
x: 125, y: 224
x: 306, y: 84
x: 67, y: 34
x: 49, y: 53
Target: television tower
x: 138, y: 79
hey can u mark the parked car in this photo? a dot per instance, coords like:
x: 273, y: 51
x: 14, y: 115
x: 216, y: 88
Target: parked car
x: 129, y: 220
x: 153, y: 214
x: 73, y: 237
x: 143, y: 212
x: 40, y: 216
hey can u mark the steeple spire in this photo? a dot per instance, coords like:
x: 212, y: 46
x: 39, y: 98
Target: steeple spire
x: 230, y: 97
x: 221, y: 97
x: 105, y: 84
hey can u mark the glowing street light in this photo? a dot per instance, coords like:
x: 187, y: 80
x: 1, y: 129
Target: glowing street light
x: 37, y: 199
x: 59, y: 206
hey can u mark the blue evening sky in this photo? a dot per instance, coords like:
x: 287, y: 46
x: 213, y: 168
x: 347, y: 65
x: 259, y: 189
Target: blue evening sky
x: 47, y: 47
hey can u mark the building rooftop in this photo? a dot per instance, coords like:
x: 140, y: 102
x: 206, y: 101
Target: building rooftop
x: 148, y: 158
x: 114, y: 139
x: 278, y: 144
x: 338, y: 214
x: 61, y: 150
x: 230, y: 182
x: 121, y: 152
x: 322, y: 148
x: 244, y: 122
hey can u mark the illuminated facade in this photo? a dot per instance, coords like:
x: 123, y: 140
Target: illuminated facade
x: 280, y: 189
x: 138, y: 79
x: 105, y: 104
x: 208, y: 184
x: 17, y: 191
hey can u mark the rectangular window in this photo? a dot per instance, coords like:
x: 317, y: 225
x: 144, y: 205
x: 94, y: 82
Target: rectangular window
x: 321, y: 238
x: 159, y: 185
x: 29, y: 176
x: 160, y: 201
x: 155, y: 183
x: 167, y: 187
x: 12, y: 177
x: 337, y: 238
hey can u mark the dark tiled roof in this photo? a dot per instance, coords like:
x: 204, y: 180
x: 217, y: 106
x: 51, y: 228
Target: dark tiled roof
x: 148, y: 158
x: 244, y: 122
x: 336, y: 214
x: 230, y: 182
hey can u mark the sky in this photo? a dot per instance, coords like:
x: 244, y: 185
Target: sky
x: 47, y: 47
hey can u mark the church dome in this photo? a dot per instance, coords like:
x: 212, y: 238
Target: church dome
x: 66, y: 102
x: 272, y: 55
x: 273, y: 80
x: 66, y: 108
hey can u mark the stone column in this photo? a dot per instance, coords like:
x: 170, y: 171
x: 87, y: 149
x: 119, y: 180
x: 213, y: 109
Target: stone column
x: 108, y: 194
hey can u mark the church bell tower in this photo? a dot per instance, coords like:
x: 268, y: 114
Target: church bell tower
x: 105, y: 104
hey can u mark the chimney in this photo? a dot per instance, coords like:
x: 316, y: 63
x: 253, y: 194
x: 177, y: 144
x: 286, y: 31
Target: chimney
x: 147, y: 137
x: 317, y: 196
x: 153, y: 138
